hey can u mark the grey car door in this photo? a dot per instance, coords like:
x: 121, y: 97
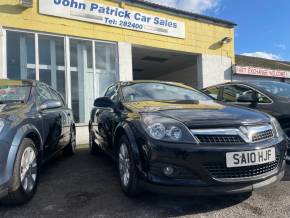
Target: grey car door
x: 51, y: 122
x: 66, y: 119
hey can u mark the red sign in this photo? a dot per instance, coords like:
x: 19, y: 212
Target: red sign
x: 257, y: 71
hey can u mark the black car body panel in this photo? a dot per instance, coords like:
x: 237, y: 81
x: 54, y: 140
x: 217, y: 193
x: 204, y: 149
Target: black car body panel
x: 49, y: 129
x: 193, y: 162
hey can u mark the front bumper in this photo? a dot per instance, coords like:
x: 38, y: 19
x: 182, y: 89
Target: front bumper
x: 7, y: 156
x: 198, y: 165
x: 212, y: 190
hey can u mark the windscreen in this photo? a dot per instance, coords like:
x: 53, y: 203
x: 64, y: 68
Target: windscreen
x: 161, y: 92
x: 14, y: 93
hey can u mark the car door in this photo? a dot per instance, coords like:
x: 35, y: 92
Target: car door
x: 105, y: 121
x: 51, y: 121
x: 231, y: 93
x: 66, y: 119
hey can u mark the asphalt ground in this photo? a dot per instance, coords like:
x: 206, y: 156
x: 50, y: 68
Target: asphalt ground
x: 87, y: 186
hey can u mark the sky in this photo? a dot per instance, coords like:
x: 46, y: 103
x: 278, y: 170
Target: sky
x: 263, y: 26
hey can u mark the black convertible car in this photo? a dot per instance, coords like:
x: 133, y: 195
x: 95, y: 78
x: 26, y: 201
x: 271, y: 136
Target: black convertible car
x: 170, y: 137
x: 268, y: 96
x: 34, y: 124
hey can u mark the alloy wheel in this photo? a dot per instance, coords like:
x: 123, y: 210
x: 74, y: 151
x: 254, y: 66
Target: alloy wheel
x: 73, y: 140
x: 124, y: 164
x: 28, y: 169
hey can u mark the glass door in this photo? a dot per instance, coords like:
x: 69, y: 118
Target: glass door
x: 105, y: 66
x: 82, y: 79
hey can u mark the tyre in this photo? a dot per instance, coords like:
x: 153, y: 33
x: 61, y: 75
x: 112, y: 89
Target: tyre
x: 25, y: 174
x: 70, y: 149
x: 128, y: 174
x: 94, y: 148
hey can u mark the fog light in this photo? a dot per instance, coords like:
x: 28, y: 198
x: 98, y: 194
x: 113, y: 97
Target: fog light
x: 168, y: 171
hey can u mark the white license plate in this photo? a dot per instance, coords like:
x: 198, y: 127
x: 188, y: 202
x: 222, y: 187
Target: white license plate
x: 250, y: 158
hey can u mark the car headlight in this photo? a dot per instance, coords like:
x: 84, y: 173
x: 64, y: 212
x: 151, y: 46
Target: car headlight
x: 1, y: 125
x: 278, y: 131
x: 166, y: 129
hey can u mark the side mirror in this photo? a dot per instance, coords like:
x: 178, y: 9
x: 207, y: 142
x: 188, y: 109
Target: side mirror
x: 50, y: 104
x: 250, y: 97
x: 104, y: 102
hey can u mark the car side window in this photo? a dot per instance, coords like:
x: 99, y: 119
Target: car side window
x: 43, y: 94
x: 213, y: 92
x: 231, y: 93
x: 56, y: 96
x: 263, y: 99
x: 112, y: 93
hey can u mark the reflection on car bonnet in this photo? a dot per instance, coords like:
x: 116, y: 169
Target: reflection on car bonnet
x: 2, y: 106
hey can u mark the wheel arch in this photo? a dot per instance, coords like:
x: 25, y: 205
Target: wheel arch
x: 284, y: 121
x: 285, y: 124
x: 125, y: 129
x: 25, y: 131
x: 28, y: 131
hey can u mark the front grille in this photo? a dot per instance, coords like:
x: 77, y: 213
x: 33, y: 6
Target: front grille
x: 220, y: 139
x: 219, y: 170
x: 260, y: 136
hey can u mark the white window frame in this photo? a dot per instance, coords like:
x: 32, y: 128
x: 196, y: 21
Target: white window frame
x: 67, y: 66
x: 3, y: 53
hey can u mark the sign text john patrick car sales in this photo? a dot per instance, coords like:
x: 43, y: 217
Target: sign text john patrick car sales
x: 113, y: 16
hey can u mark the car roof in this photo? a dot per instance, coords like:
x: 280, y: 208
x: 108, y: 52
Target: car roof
x: 250, y: 83
x: 128, y: 83
x: 17, y: 82
x: 21, y: 82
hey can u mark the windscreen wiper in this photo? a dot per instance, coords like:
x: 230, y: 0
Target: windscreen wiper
x: 11, y: 101
x: 182, y: 101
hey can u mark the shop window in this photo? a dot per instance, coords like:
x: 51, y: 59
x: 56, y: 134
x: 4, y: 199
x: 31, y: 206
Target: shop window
x: 89, y: 78
x: 106, y: 66
x: 52, y: 62
x: 20, y: 55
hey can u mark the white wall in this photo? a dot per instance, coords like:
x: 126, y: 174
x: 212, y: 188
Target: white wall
x: 213, y: 69
x: 125, y: 61
x: 82, y: 134
x: 187, y: 76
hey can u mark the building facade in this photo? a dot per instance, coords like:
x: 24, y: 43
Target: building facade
x: 254, y: 68
x: 81, y: 47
